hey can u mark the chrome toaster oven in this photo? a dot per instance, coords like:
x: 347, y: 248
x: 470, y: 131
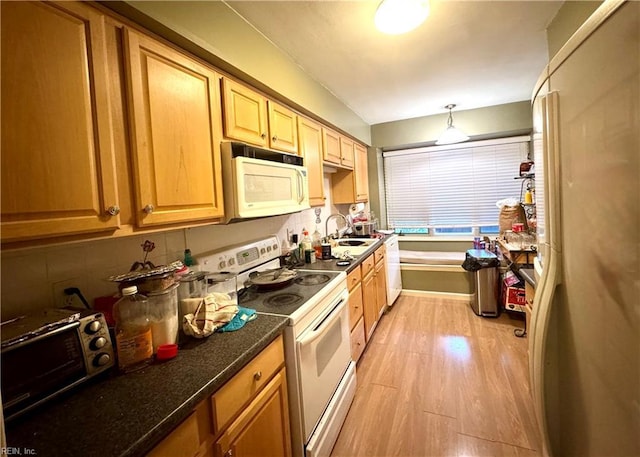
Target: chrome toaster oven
x: 50, y: 352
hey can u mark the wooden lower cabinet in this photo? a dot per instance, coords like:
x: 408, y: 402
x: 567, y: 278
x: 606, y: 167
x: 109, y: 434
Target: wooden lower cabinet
x: 248, y: 416
x: 262, y: 429
x: 374, y: 290
x: 358, y: 340
x: 369, y: 297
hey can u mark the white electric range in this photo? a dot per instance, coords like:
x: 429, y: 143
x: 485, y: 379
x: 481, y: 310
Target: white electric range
x: 321, y: 376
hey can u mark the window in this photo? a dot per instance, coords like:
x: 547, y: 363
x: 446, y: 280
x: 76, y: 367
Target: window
x: 453, y: 189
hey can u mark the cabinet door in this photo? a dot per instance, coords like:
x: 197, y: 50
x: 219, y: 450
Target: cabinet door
x: 310, y: 135
x: 283, y: 128
x: 355, y: 306
x: 262, y: 429
x: 361, y: 173
x: 369, y: 297
x: 330, y: 146
x: 381, y: 286
x: 245, y: 113
x: 175, y: 125
x: 346, y: 152
x: 58, y: 172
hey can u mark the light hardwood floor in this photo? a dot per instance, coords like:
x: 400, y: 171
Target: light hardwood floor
x: 437, y: 380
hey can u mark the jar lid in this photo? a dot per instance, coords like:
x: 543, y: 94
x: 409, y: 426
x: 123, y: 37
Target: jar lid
x: 129, y: 290
x: 167, y: 351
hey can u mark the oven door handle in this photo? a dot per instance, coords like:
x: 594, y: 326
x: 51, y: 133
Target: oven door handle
x: 324, y: 324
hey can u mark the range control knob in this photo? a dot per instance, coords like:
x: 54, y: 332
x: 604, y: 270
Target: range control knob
x: 98, y: 343
x: 232, y: 261
x: 274, y: 247
x: 102, y: 359
x: 93, y: 327
x: 222, y: 264
x: 262, y: 250
x: 268, y: 248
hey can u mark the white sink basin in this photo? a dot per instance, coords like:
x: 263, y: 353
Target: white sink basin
x: 355, y: 246
x: 353, y: 250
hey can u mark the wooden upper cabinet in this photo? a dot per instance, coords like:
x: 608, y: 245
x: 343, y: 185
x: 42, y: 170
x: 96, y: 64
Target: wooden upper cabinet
x: 283, y: 128
x: 346, y: 152
x: 245, y: 114
x: 310, y: 141
x: 331, y: 146
x: 58, y: 169
x: 361, y: 171
x: 350, y: 186
x: 175, y: 125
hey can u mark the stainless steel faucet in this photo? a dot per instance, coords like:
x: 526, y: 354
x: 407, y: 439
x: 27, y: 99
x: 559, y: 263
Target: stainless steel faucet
x: 332, y: 216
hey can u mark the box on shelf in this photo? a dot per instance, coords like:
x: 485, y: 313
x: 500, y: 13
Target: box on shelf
x: 512, y: 293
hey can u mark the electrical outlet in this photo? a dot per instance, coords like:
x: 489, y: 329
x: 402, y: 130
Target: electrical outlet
x: 60, y: 299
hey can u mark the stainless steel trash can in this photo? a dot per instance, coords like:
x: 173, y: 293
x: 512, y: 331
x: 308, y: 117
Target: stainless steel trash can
x: 485, y: 297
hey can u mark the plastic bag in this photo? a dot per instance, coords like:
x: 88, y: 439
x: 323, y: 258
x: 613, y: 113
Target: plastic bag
x: 473, y: 263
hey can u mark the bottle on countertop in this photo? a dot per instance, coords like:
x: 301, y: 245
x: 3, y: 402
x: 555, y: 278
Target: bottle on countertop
x: 316, y: 243
x: 189, y: 261
x: 306, y: 240
x: 134, y: 341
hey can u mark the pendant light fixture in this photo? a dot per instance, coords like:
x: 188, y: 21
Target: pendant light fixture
x: 395, y: 17
x: 451, y: 134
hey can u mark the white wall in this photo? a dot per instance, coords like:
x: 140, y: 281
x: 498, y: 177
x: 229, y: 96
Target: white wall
x: 34, y: 278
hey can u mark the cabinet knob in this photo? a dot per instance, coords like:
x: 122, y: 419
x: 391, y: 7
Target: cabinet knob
x: 229, y: 453
x: 113, y: 210
x: 274, y: 138
x: 264, y: 135
x: 148, y: 209
x: 258, y: 375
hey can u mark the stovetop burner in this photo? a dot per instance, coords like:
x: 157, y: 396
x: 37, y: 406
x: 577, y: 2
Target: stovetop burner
x: 312, y: 279
x: 287, y: 300
x: 284, y: 299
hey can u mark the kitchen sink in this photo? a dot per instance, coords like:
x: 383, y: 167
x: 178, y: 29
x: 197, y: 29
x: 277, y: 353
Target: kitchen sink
x: 355, y: 246
x: 356, y: 241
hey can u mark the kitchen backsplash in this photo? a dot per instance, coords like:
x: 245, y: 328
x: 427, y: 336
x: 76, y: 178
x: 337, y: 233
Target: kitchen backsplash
x: 35, y: 278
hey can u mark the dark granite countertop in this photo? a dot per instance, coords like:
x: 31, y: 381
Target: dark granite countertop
x: 126, y: 415
x: 330, y: 265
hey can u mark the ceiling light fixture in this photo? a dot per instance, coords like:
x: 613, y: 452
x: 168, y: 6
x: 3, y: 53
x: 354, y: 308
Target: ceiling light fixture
x: 395, y: 17
x: 451, y: 134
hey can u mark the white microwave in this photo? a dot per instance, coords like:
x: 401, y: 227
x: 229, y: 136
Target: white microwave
x: 260, y: 182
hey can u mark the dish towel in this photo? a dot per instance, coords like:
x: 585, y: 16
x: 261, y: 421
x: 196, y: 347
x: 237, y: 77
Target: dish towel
x: 212, y: 312
x: 243, y: 316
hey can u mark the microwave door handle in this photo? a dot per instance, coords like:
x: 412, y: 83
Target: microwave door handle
x: 319, y: 330
x: 299, y: 183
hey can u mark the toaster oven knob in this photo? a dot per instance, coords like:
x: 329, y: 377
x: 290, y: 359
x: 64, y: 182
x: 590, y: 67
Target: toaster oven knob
x: 102, y: 359
x: 98, y: 343
x: 93, y: 327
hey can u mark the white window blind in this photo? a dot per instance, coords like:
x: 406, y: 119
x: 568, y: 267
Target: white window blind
x: 454, y: 186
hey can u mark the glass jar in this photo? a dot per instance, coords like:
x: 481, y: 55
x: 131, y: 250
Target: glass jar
x: 224, y: 283
x: 163, y: 316
x: 134, y: 340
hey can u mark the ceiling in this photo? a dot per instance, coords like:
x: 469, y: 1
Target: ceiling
x: 471, y: 53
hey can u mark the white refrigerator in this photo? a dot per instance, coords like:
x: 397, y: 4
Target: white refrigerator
x: 584, y: 339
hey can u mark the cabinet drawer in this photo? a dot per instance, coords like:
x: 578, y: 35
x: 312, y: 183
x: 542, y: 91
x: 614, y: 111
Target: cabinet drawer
x: 367, y: 265
x: 355, y: 306
x: 238, y: 392
x: 182, y: 442
x: 354, y: 278
x: 357, y: 340
x: 380, y: 253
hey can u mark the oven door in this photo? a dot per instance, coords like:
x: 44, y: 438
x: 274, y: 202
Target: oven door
x: 324, y: 353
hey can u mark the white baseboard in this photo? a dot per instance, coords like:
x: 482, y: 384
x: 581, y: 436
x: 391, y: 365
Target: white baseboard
x: 433, y: 294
